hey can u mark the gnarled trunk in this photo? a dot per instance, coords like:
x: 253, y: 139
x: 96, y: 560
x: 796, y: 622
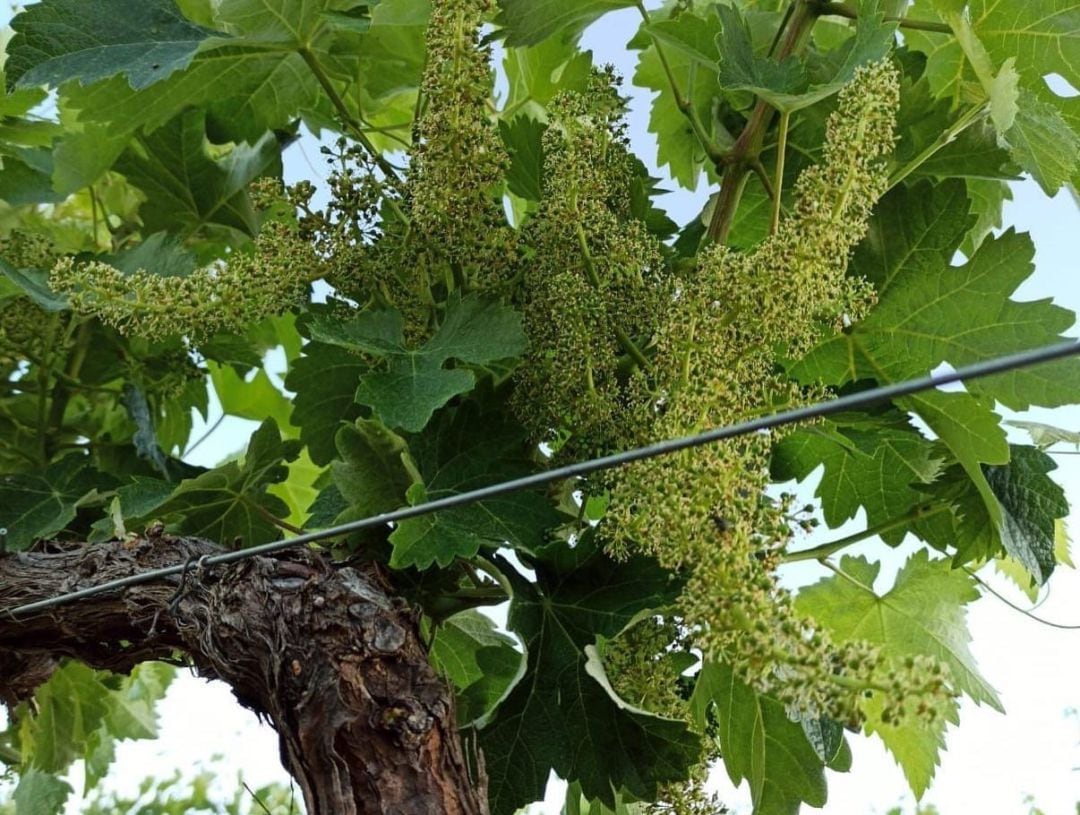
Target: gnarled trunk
x: 324, y: 652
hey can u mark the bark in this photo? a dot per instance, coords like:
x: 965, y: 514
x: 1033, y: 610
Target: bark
x: 323, y: 651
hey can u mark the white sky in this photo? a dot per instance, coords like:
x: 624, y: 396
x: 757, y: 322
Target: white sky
x: 992, y: 761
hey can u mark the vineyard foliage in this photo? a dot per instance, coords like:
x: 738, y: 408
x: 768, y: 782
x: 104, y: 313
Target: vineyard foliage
x: 485, y: 283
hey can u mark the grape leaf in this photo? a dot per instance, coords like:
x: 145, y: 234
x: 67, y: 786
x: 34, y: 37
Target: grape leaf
x: 1032, y: 40
x: 375, y: 470
x: 759, y: 743
x: 324, y: 380
x: 523, y: 137
x: 535, y: 75
x: 249, y: 83
x: 481, y: 662
x: 40, y: 793
x: 527, y: 22
x: 922, y: 614
x: 1044, y: 144
x: 1031, y: 506
x: 415, y: 384
x: 79, y: 708
x: 187, y: 190
x: 870, y: 462
x: 229, y: 503
x: 931, y: 313
x: 787, y: 85
x: 34, y: 283
x: 37, y: 506
x: 60, y: 40
x: 677, y: 147
x: 559, y: 716
x: 256, y: 398
x: 463, y: 450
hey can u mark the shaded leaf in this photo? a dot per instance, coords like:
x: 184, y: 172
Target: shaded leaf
x: 324, y: 379
x: 415, y: 383
x: 37, y: 506
x: 40, y: 793
x: 60, y: 40
x: 229, y: 504
x: 559, y: 716
x: 759, y: 743
x: 463, y: 450
x: 187, y: 190
x: 481, y: 662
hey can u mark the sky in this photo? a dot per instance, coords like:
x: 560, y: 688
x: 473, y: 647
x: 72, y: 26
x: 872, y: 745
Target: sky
x: 992, y: 762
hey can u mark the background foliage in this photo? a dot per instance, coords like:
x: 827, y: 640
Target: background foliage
x: 498, y: 279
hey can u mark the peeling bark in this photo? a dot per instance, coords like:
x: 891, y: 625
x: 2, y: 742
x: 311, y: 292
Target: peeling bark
x: 324, y: 652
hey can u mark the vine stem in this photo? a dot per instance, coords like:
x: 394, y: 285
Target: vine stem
x: 9, y: 756
x: 749, y: 144
x: 843, y: 10
x: 826, y: 549
x: 343, y: 110
x: 685, y: 105
x: 778, y: 184
x: 947, y: 137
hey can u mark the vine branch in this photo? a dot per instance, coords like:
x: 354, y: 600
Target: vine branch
x: 824, y: 550
x: 343, y: 110
x: 826, y: 9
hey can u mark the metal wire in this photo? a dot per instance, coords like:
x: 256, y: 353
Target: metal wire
x: 815, y: 411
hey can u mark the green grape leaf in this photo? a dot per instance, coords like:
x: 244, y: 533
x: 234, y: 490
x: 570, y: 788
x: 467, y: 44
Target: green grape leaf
x: 561, y: 716
x: 37, y: 506
x: 786, y: 85
x: 463, y: 450
x: 759, y: 743
x: 60, y: 40
x: 324, y: 380
x: 40, y: 793
x: 34, y: 283
x: 871, y: 462
x: 481, y: 662
x: 415, y: 384
x: 251, y: 82
x: 916, y: 747
x: 1029, y: 41
x: 186, y: 190
x: 229, y: 504
x: 79, y: 708
x: 523, y: 137
x: 1031, y: 506
x: 26, y: 177
x: 527, y: 22
x: 974, y: 154
x: 931, y: 313
x: 922, y: 614
x: 678, y: 148
x: 256, y: 398
x: 375, y: 470
x: 535, y: 75
x: 1044, y: 144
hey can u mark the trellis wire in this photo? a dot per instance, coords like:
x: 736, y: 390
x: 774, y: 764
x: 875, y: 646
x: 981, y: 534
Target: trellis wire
x: 818, y: 410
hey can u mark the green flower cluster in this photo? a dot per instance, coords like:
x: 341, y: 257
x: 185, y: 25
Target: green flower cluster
x: 705, y: 512
x: 444, y: 227
x: 596, y: 285
x: 250, y: 285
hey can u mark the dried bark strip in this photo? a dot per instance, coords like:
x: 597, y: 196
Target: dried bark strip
x: 324, y: 652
